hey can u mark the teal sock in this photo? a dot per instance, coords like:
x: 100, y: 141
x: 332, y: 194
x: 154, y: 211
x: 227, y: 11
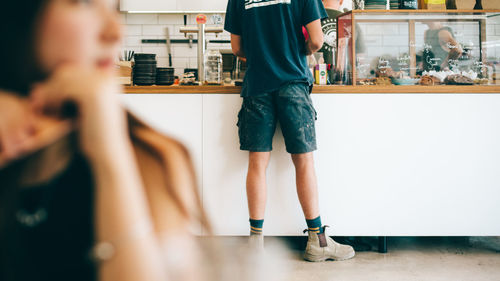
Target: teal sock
x: 256, y: 226
x: 314, y: 225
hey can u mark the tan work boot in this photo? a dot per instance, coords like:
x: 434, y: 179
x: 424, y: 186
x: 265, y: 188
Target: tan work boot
x: 321, y: 247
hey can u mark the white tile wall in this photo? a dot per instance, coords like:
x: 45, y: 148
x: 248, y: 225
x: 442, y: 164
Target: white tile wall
x: 173, y: 19
x: 379, y: 29
x: 380, y: 39
x: 373, y: 40
x: 160, y: 30
x: 159, y: 51
x: 154, y: 26
x: 395, y: 40
x: 133, y: 29
x: 403, y: 28
x: 142, y: 18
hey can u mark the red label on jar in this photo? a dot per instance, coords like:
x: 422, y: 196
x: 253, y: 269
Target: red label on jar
x: 201, y: 19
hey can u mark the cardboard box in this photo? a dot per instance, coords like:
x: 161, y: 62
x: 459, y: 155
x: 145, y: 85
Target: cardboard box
x: 491, y: 4
x: 465, y: 4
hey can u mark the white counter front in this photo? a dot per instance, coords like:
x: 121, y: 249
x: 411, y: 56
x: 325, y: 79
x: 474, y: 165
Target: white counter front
x: 387, y: 164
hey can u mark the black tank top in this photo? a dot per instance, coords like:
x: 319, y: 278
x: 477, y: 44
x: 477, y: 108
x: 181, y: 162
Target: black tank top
x: 52, y: 229
x: 435, y: 51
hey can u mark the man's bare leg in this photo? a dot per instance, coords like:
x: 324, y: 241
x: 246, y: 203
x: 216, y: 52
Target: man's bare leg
x: 256, y: 184
x: 307, y: 187
x: 257, y: 197
x: 320, y: 247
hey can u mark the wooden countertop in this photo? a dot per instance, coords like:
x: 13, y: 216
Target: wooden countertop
x: 445, y: 89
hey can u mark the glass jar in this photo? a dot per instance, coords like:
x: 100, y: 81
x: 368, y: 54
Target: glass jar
x: 358, y: 4
x: 408, y: 4
x: 213, y: 67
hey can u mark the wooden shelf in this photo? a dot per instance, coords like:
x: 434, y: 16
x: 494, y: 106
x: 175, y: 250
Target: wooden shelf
x: 442, y: 89
x: 420, y: 11
x: 182, y: 90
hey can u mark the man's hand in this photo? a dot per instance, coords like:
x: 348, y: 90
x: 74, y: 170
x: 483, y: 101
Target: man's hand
x: 315, y: 41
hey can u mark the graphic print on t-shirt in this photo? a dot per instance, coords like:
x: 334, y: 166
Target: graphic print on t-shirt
x: 329, y: 27
x: 249, y: 4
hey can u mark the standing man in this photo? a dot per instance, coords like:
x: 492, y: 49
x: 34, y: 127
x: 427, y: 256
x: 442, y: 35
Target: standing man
x: 268, y: 33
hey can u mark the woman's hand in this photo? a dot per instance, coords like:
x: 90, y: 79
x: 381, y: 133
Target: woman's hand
x: 94, y: 95
x: 17, y: 124
x: 122, y: 215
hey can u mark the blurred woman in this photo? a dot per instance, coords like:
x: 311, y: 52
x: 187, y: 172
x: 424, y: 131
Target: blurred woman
x: 441, y: 48
x: 87, y: 192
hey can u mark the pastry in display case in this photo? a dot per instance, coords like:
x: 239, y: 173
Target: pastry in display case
x: 418, y: 47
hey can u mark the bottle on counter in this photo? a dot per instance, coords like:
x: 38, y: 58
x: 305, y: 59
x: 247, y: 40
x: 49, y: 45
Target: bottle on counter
x: 479, y: 5
x: 451, y: 4
x: 358, y: 4
x: 321, y: 74
x: 213, y: 67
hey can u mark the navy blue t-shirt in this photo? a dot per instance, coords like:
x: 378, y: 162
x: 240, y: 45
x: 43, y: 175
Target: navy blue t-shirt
x: 272, y: 39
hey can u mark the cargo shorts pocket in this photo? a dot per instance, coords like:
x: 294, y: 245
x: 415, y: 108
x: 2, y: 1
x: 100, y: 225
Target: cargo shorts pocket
x: 309, y: 131
x: 313, y: 110
x: 238, y: 122
x: 309, y: 124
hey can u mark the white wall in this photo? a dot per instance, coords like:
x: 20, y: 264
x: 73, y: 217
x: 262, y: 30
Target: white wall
x: 387, y: 164
x: 347, y: 4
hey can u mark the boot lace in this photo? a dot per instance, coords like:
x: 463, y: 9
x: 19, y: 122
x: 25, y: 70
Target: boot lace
x: 324, y: 228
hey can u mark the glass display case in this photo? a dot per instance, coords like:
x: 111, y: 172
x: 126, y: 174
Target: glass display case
x: 418, y: 47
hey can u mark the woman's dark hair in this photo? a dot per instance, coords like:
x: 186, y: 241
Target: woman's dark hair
x: 18, y: 23
x: 18, y: 71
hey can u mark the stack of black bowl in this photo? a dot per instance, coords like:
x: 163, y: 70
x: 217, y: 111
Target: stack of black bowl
x: 165, y: 76
x: 145, y: 69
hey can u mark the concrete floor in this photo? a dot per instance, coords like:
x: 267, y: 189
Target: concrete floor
x: 408, y: 259
x: 457, y: 259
